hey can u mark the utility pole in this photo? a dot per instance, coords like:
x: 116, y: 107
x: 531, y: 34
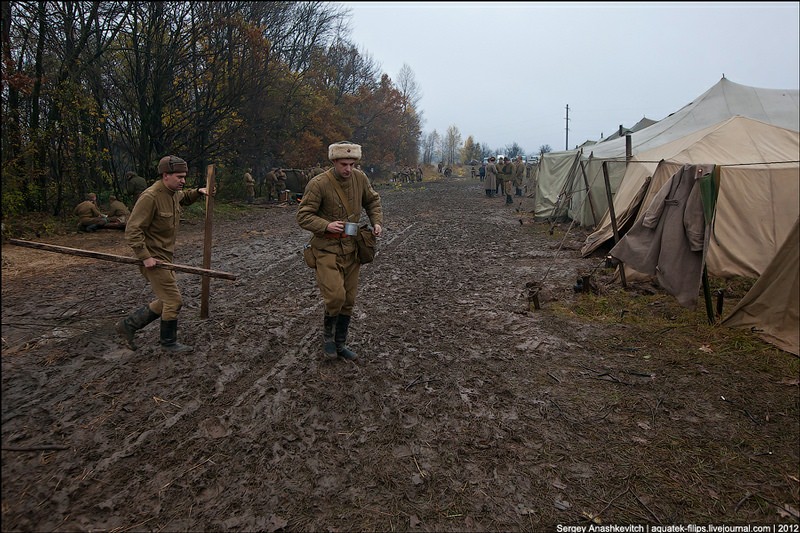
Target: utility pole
x: 567, y: 128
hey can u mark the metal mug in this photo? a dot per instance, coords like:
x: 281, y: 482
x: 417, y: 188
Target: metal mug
x: 350, y: 228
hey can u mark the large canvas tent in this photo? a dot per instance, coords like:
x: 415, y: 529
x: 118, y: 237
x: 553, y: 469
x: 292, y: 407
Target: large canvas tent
x: 561, y: 190
x: 754, y: 229
x: 759, y: 177
x: 771, y: 306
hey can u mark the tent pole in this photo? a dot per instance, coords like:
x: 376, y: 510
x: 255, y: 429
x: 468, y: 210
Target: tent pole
x: 613, y: 219
x: 589, y: 193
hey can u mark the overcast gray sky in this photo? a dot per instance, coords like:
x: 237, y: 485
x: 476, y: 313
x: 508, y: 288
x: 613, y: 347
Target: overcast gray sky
x: 505, y: 72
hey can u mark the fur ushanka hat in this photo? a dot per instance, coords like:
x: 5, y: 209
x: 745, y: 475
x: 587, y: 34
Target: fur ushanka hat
x: 344, y: 150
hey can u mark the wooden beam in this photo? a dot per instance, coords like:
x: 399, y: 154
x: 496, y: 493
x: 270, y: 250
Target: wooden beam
x: 119, y: 258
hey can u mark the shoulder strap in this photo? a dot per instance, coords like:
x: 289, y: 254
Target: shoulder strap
x: 340, y: 192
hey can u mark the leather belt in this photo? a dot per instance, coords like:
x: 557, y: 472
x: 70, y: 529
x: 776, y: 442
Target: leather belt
x: 336, y: 236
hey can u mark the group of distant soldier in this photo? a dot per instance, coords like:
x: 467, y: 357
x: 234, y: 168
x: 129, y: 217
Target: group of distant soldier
x: 407, y: 174
x: 273, y: 185
x: 503, y: 176
x: 91, y: 219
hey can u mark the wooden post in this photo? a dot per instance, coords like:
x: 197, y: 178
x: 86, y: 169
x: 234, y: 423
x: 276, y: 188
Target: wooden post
x: 206, y: 282
x: 589, y: 193
x: 613, y: 219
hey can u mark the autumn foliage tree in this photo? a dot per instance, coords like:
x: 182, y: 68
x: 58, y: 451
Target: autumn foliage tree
x: 93, y: 89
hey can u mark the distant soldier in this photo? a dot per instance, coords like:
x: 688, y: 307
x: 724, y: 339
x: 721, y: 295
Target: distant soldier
x: 507, y: 173
x: 280, y: 175
x: 89, y: 216
x: 316, y: 170
x: 519, y: 175
x: 249, y: 186
x: 118, y: 213
x: 134, y: 185
x: 271, y: 181
x: 491, y: 178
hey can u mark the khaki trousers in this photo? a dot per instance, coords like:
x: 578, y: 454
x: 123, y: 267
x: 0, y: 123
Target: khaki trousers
x: 337, y: 279
x: 168, y: 300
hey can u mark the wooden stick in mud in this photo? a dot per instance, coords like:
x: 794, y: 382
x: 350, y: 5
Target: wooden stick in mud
x: 205, y: 283
x: 119, y: 258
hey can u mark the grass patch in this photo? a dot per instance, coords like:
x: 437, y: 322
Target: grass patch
x: 657, y: 322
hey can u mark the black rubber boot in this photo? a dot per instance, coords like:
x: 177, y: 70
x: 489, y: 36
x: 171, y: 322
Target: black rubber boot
x: 169, y: 337
x: 136, y: 320
x: 509, y: 200
x: 328, y: 344
x: 342, y: 350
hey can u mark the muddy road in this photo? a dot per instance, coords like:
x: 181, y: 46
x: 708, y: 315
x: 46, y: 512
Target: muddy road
x: 468, y: 410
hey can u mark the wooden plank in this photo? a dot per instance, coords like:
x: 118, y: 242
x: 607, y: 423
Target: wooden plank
x: 119, y: 258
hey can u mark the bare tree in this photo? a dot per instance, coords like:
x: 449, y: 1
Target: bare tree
x: 451, y: 144
x: 430, y: 147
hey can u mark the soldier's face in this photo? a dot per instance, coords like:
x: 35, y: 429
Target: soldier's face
x: 344, y: 167
x: 174, y: 181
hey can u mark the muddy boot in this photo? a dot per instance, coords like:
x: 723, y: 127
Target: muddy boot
x: 509, y: 200
x: 328, y: 344
x: 169, y: 337
x: 136, y: 320
x: 342, y: 325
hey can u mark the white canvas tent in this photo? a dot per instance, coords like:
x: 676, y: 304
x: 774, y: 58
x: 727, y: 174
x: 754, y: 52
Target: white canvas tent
x: 724, y: 100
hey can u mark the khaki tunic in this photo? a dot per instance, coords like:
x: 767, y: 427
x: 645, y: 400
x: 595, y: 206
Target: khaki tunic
x: 271, y: 182
x: 136, y: 186
x: 150, y: 232
x: 249, y: 186
x: 507, y: 174
x: 519, y: 173
x: 119, y: 211
x: 87, y: 213
x: 337, y: 264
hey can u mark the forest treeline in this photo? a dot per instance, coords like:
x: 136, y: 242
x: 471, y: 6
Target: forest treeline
x: 94, y: 89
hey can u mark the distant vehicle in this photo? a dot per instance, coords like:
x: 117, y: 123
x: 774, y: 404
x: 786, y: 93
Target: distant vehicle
x: 473, y: 162
x: 532, y: 160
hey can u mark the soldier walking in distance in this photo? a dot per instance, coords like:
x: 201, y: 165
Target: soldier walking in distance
x: 323, y: 212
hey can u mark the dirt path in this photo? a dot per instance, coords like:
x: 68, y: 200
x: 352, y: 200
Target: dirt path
x: 467, y: 411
